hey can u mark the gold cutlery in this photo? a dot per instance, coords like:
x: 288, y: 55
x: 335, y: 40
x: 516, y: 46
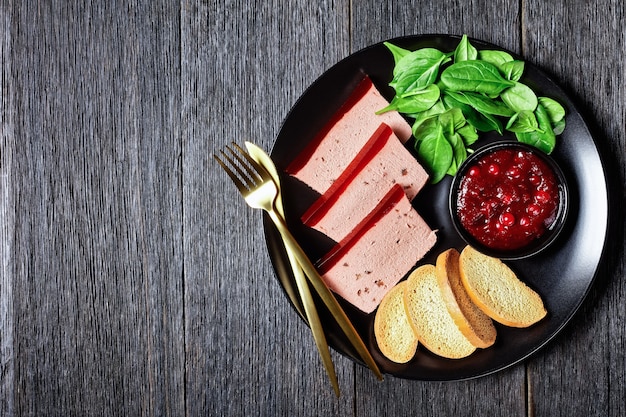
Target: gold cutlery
x: 303, y: 288
x: 259, y: 191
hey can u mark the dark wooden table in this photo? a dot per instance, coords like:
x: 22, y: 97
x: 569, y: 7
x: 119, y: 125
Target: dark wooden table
x: 135, y: 281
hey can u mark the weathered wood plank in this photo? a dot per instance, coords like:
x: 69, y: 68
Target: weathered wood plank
x: 97, y: 253
x: 134, y: 280
x: 244, y: 66
x: 7, y: 218
x: 495, y: 22
x: 503, y: 394
x: 582, y: 45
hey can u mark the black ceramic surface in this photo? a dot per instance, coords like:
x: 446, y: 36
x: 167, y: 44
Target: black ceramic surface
x: 562, y: 274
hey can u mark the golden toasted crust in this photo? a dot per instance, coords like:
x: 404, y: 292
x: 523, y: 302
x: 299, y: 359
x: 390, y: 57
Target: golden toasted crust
x: 394, y: 334
x: 497, y: 291
x: 473, y: 323
x: 430, y: 318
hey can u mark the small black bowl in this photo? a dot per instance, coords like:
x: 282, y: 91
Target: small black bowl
x: 502, y: 218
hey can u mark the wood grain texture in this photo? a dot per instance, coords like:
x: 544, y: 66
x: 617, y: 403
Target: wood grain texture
x: 244, y: 65
x: 7, y: 219
x: 582, y: 45
x: 97, y: 255
x: 135, y: 281
x: 481, y: 19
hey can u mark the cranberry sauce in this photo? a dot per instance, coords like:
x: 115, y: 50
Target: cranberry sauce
x: 508, y: 198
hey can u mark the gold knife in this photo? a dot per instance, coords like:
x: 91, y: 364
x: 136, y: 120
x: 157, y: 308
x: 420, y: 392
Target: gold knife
x: 303, y: 288
x: 330, y: 301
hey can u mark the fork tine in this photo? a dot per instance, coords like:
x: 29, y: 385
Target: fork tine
x: 252, y: 173
x: 249, y: 180
x: 240, y: 185
x: 260, y: 171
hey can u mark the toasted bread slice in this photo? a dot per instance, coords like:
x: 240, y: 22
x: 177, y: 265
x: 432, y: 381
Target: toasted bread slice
x: 430, y: 318
x: 394, y: 334
x: 473, y: 323
x: 497, y: 291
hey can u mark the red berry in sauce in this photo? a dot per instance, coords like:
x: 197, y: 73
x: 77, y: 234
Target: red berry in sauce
x: 533, y: 210
x: 493, y: 169
x: 514, y: 172
x: 534, y: 180
x: 542, y: 196
x: 507, y: 219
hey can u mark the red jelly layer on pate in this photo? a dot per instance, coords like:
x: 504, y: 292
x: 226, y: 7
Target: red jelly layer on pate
x: 330, y: 151
x: 380, y: 164
x: 378, y: 253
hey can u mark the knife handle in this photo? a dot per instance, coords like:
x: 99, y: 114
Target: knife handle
x: 326, y: 295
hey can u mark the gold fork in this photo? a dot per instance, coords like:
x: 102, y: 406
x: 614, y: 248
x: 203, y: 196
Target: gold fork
x: 310, y: 310
x: 259, y: 191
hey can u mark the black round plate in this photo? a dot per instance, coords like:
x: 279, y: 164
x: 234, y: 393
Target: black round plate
x: 562, y: 275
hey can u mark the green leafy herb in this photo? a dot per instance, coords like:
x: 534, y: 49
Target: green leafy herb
x: 523, y: 122
x: 481, y: 122
x: 483, y: 104
x: 452, y: 96
x: 398, y: 53
x: 542, y: 138
x: 497, y: 58
x: 417, y: 70
x: 555, y: 111
x: 520, y: 98
x: 438, y: 108
x: 513, y: 70
x: 415, y: 101
x: 476, y: 76
x: 434, y: 149
x: 468, y: 134
x: 465, y: 51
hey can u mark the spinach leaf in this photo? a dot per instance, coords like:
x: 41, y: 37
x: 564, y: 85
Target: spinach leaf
x: 455, y: 95
x: 555, y: 111
x: 475, y: 76
x: 468, y: 134
x: 543, y: 138
x: 416, y: 102
x: 433, y: 149
x: 417, y: 58
x: 440, y: 143
x: 452, y: 119
x: 397, y: 53
x: 479, y: 121
x: 417, y: 70
x: 420, y: 117
x: 483, y: 104
x: 491, y: 121
x: 459, y: 152
x: 558, y: 127
x: 523, y: 122
x: 465, y: 51
x: 513, y: 70
x: 520, y: 98
x: 497, y: 58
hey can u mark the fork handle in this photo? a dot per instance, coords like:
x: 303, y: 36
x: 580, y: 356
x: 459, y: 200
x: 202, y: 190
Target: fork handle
x: 314, y: 321
x: 325, y: 294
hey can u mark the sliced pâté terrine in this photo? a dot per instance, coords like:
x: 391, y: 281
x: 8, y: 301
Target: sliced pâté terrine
x: 378, y: 253
x: 331, y: 150
x: 382, y: 162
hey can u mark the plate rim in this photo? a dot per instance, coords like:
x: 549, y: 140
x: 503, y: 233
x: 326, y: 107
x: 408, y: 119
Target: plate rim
x: 275, y: 245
